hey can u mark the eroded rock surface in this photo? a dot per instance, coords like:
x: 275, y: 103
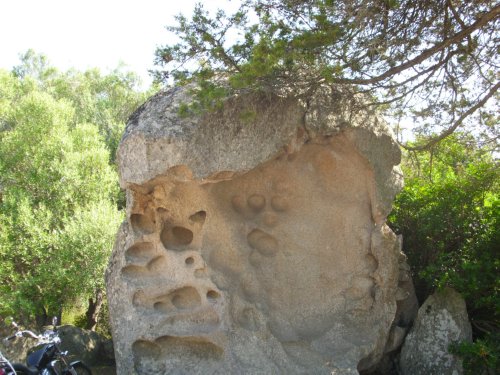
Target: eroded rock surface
x: 255, y: 246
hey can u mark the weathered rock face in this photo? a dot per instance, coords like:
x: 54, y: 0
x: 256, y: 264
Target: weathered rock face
x: 255, y: 246
x: 441, y: 321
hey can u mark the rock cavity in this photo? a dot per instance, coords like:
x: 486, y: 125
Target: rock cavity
x: 255, y: 247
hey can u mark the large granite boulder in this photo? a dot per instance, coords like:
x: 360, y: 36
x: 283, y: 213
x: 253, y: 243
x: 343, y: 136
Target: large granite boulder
x: 441, y: 321
x: 255, y: 239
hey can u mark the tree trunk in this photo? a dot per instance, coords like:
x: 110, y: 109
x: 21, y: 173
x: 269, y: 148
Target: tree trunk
x: 94, y: 310
x: 41, y: 318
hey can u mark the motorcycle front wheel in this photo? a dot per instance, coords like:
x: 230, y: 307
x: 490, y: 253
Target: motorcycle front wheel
x: 80, y: 369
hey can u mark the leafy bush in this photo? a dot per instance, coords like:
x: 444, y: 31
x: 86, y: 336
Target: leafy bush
x: 480, y: 357
x: 59, y: 194
x: 449, y: 215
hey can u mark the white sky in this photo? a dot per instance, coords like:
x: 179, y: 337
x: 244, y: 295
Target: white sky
x: 92, y: 33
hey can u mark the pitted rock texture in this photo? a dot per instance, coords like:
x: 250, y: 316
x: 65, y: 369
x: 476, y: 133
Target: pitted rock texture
x: 441, y: 321
x: 255, y: 247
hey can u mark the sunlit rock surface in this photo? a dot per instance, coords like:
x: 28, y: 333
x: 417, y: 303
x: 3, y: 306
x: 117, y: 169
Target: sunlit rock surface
x: 255, y: 239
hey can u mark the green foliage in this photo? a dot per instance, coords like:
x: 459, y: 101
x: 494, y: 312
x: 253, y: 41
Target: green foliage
x: 449, y: 215
x: 480, y: 357
x: 58, y: 185
x: 83, y: 248
x: 102, y: 100
x: 431, y: 62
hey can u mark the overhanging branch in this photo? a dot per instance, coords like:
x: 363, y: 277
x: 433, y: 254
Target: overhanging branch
x: 485, y: 19
x: 456, y: 124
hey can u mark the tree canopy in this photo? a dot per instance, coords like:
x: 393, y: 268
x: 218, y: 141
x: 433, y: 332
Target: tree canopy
x: 105, y: 100
x: 431, y: 62
x: 449, y: 216
x: 59, y: 194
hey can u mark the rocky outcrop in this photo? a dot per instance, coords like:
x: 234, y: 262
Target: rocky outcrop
x: 441, y: 321
x: 88, y: 346
x: 255, y: 239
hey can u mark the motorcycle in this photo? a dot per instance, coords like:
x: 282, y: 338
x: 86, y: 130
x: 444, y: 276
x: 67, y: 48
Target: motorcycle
x: 47, y: 358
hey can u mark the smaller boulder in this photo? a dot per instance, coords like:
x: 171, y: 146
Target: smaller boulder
x: 16, y: 350
x: 441, y: 321
x: 87, y: 346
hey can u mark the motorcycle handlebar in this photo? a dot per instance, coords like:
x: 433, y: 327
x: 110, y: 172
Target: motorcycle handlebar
x: 28, y: 333
x: 47, y: 337
x: 25, y: 333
